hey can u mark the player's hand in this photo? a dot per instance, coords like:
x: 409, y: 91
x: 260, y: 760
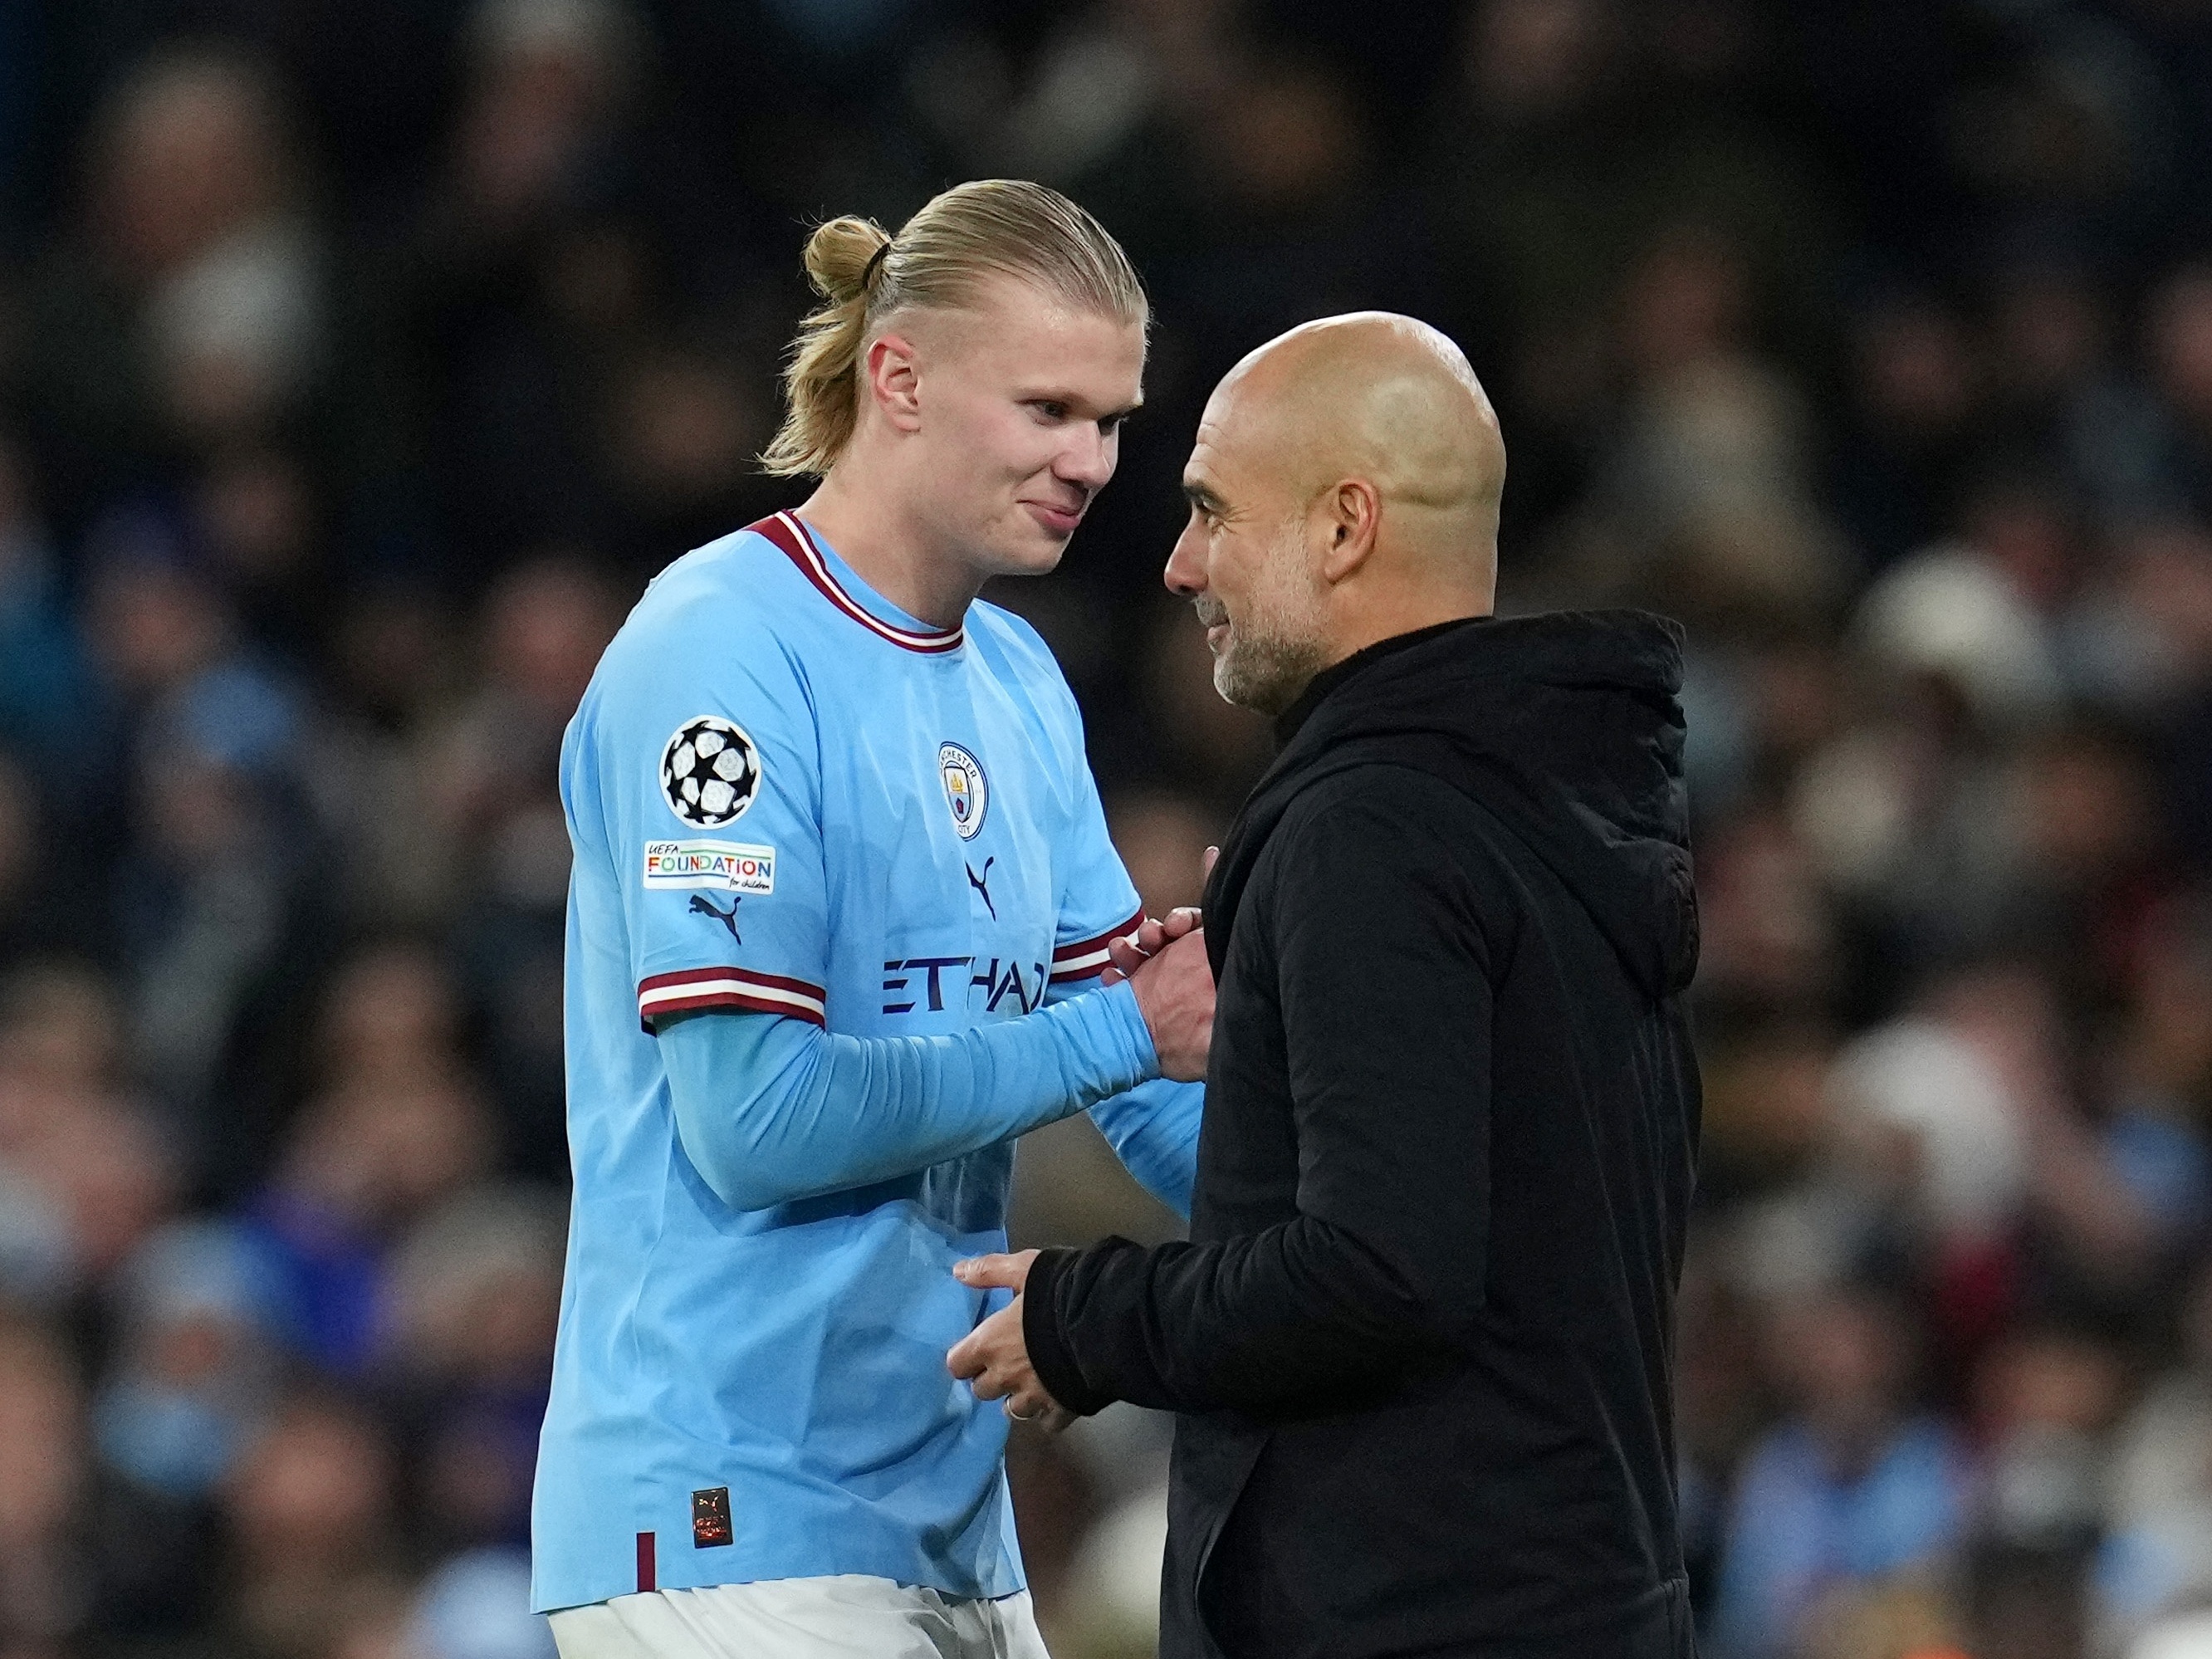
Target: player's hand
x: 1126, y: 954
x: 994, y: 1356
x: 1130, y: 951
x: 1175, y: 993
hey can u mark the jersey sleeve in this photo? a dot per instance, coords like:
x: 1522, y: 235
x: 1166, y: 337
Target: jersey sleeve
x: 1098, y: 902
x: 711, y: 769
x: 772, y: 1110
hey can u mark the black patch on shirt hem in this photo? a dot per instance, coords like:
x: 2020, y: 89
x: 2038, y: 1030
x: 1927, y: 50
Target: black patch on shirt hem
x: 710, y: 1518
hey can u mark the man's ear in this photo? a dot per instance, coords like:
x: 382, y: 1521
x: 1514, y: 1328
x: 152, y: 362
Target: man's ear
x: 1350, y: 513
x: 893, y: 381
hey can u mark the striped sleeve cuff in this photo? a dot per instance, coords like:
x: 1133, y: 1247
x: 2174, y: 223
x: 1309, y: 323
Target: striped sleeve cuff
x: 1086, y: 958
x: 735, y: 988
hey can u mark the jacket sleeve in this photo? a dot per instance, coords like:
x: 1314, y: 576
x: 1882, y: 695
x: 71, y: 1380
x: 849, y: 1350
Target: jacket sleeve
x: 1382, y: 975
x: 770, y: 1110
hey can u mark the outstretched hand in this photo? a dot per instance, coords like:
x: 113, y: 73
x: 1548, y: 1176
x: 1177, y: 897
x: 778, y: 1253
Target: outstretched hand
x: 994, y: 1356
x: 1130, y: 951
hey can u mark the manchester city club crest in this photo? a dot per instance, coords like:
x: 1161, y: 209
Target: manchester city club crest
x: 966, y: 791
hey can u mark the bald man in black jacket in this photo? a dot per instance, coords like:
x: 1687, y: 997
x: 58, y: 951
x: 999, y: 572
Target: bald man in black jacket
x: 1419, y: 1340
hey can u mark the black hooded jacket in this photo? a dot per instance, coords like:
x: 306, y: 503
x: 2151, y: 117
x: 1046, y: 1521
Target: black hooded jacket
x: 1420, y: 1336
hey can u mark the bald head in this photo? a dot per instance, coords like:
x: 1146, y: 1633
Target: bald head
x: 1374, y: 396
x: 1344, y: 488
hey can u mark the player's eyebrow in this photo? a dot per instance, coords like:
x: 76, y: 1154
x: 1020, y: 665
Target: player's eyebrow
x: 1202, y: 497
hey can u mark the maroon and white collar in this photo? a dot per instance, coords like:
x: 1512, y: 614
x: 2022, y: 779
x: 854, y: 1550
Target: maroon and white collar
x: 790, y: 533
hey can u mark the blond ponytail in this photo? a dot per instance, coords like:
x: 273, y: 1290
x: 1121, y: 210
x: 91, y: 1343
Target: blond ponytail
x: 821, y: 382
x: 937, y: 259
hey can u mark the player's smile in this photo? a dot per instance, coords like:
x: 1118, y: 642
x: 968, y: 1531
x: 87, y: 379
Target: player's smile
x: 1056, y: 520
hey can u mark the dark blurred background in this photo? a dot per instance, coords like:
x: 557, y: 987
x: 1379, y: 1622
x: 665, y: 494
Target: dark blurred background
x: 361, y: 359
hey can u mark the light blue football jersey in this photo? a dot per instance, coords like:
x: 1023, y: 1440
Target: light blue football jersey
x: 786, y: 796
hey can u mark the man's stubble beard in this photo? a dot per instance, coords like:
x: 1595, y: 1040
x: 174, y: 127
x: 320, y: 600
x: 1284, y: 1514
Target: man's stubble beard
x: 1274, y: 653
x: 1266, y: 674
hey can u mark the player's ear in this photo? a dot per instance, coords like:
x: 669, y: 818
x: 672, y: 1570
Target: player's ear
x: 1349, y: 513
x: 892, y: 381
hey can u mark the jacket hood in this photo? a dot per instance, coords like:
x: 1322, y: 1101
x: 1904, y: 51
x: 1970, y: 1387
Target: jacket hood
x: 1567, y: 727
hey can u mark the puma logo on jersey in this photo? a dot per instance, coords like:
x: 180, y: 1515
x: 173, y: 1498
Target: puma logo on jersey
x: 982, y: 884
x: 702, y: 905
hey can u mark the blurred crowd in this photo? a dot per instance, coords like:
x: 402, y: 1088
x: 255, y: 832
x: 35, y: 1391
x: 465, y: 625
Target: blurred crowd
x: 361, y: 359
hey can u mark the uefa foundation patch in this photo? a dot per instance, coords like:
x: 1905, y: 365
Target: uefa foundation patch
x: 727, y: 865
x: 710, y: 1518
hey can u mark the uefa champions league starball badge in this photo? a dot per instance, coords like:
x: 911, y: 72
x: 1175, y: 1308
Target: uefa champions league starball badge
x: 966, y: 791
x: 710, y: 772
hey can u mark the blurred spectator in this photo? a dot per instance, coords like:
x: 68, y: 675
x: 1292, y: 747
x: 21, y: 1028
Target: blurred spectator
x: 1925, y: 1112
x: 255, y: 510
x: 1914, y: 393
x: 684, y: 422
x: 201, y: 912
x: 1770, y: 1115
x: 2046, y: 1400
x: 546, y: 79
x: 2180, y: 353
x: 2156, y: 1082
x: 397, y: 664
x: 2158, y: 1559
x: 189, y: 309
x: 1854, y: 1486
x: 1099, y: 100
x: 1766, y: 936
x: 492, y: 772
x: 1721, y: 1409
x: 310, y: 1523
x: 398, y: 1127
x: 1955, y: 612
x: 520, y: 295
x: 466, y: 1341
x: 1707, y: 497
x: 45, y: 1594
x: 96, y: 1173
x: 200, y: 1315
x: 490, y: 760
x: 194, y: 1375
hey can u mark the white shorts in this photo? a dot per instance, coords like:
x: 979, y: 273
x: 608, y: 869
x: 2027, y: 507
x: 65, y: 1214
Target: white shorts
x: 848, y: 1616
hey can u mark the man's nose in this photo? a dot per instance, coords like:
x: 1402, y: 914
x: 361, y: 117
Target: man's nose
x: 1185, y: 573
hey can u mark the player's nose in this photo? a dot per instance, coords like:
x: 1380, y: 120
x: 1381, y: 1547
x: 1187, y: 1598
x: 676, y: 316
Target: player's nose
x: 1088, y: 461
